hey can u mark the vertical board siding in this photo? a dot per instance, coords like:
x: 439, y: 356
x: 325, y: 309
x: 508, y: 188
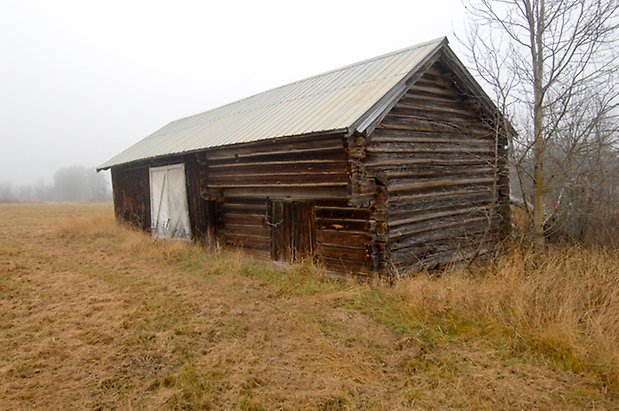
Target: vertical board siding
x: 198, y: 207
x: 243, y: 224
x: 132, y: 195
x: 437, y: 161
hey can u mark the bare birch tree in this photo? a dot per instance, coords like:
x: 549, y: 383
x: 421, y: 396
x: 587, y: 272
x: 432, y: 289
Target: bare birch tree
x: 552, y: 65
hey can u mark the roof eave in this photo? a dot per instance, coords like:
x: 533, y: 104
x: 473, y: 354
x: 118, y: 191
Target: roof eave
x: 370, y: 120
x: 107, y: 165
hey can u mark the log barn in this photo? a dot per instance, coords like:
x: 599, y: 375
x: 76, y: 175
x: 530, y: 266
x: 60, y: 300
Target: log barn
x: 391, y: 164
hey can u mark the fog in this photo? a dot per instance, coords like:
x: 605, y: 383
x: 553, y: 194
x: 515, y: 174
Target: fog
x: 81, y: 81
x: 75, y: 183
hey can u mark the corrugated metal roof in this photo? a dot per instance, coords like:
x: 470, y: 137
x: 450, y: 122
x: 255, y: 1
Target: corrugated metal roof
x: 336, y: 100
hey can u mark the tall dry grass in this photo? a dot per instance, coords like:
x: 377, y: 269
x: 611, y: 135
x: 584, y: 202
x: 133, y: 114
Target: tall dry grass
x: 564, y: 303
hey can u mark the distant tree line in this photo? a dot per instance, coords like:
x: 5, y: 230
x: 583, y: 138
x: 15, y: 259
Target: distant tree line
x: 76, y: 183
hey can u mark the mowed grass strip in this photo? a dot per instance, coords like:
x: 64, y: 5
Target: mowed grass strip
x: 149, y: 324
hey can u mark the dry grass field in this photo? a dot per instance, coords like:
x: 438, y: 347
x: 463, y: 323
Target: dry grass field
x: 94, y: 315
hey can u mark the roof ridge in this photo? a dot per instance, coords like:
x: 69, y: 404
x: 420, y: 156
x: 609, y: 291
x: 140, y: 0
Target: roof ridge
x: 298, y: 98
x: 382, y: 56
x: 366, y: 86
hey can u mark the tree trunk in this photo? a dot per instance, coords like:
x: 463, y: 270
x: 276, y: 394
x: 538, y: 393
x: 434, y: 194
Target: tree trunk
x: 536, y: 23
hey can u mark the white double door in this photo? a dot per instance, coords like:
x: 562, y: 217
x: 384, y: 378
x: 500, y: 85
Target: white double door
x: 168, y: 202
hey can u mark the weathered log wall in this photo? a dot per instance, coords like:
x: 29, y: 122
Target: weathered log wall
x: 435, y: 158
x: 311, y: 170
x: 427, y: 186
x: 342, y: 236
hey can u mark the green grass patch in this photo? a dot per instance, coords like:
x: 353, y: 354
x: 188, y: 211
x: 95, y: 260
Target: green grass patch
x: 298, y: 281
x: 162, y: 312
x: 562, y: 356
x: 202, y: 264
x: 386, y: 310
x: 112, y: 278
x: 193, y: 389
x: 424, y: 330
x: 587, y: 397
x: 394, y: 311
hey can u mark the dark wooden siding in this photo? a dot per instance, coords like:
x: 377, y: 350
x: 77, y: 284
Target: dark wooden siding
x: 342, y: 237
x: 311, y: 169
x: 132, y: 195
x: 435, y: 158
x: 312, y: 162
x: 429, y: 185
x: 243, y: 224
x: 198, y: 206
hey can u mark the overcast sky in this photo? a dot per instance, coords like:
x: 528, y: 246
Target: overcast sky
x: 82, y: 80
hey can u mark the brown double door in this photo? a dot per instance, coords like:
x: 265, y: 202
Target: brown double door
x: 292, y: 230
